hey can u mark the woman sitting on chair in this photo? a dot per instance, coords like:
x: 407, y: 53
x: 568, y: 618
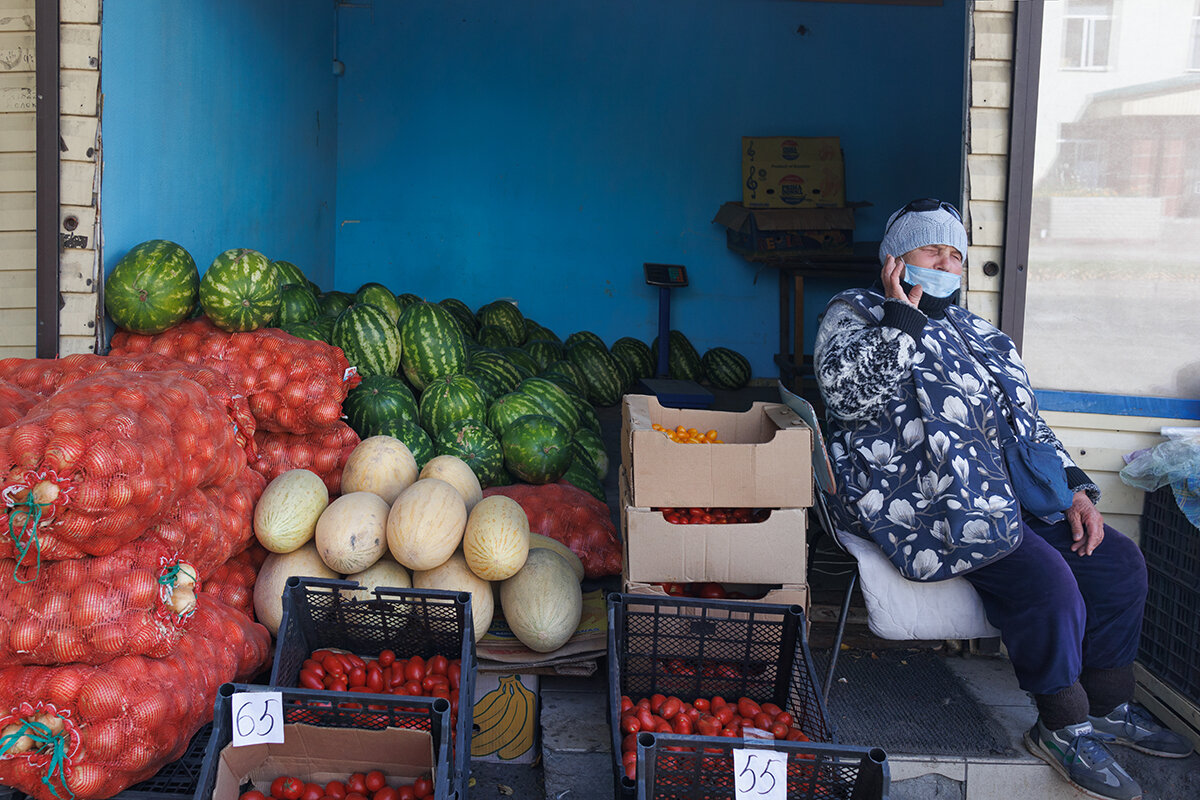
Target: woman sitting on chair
x: 919, y: 394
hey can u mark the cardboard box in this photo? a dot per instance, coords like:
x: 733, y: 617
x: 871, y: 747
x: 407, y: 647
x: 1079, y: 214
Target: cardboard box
x: 772, y: 551
x: 320, y: 755
x: 765, y: 231
x: 790, y: 594
x: 506, y: 718
x: 764, y: 462
x: 792, y: 172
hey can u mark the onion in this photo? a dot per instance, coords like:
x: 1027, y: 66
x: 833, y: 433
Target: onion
x: 183, y: 600
x: 23, y: 744
x: 185, y: 575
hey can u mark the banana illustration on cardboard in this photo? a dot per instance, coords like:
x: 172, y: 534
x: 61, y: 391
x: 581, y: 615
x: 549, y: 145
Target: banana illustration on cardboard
x: 504, y: 720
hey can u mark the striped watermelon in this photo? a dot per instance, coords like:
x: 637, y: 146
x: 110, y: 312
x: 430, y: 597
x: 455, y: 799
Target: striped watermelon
x: 333, y: 302
x: 414, y: 437
x: 494, y: 373
x: 683, y: 362
x: 406, y: 299
x: 509, y: 407
x: 553, y: 400
x: 537, y: 449
x: 369, y: 340
x: 432, y: 342
x: 543, y: 351
x: 589, y: 443
x: 290, y: 273
x: 493, y: 336
x: 241, y: 290
x: 637, y: 354
x: 504, y: 315
x: 599, y: 371
x: 521, y: 360
x: 462, y: 312
x: 726, y: 368
x: 562, y: 378
x: 535, y: 331
x: 297, y: 303
x: 381, y: 297
x: 153, y: 287
x: 583, y: 336
x: 624, y: 374
x: 450, y: 398
x: 569, y: 370
x: 581, y: 475
x: 473, y: 442
x: 310, y: 330
x: 587, y: 414
x: 375, y: 401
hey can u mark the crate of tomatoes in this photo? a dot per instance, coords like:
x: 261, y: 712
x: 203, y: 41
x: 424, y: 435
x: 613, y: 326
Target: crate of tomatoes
x: 369, y: 747
x: 675, y: 767
x: 707, y: 667
x: 337, y: 636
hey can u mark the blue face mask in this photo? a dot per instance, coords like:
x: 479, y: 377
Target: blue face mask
x: 934, y: 282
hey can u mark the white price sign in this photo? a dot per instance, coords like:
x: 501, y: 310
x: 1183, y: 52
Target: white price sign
x: 759, y: 774
x: 257, y: 718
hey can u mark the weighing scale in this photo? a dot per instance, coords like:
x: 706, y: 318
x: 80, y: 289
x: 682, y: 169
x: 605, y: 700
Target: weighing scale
x: 672, y: 392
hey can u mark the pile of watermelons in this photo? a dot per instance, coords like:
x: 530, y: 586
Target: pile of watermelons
x: 491, y: 386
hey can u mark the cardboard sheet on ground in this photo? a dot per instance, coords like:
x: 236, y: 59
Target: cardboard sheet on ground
x: 589, y: 640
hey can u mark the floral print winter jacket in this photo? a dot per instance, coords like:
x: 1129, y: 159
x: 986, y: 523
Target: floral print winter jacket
x: 911, y: 397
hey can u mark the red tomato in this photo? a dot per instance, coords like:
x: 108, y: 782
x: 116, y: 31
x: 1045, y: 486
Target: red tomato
x: 356, y: 796
x: 312, y: 791
x: 626, y: 703
x: 763, y: 721
x: 253, y: 794
x: 656, y: 701
x: 356, y: 676
x: 412, y: 689
x: 375, y: 780
x: 779, y: 730
x: 670, y: 708
x: 386, y: 658
x: 784, y: 717
x: 747, y: 707
x: 708, y: 725
x: 374, y: 681
x: 310, y: 680
x: 422, y: 786
x: 630, y: 724
x: 454, y: 672
x: 771, y: 709
x: 415, y: 670
x: 406, y: 793
x: 437, y: 665
x: 357, y: 783
x: 335, y: 789
x: 386, y: 793
x: 683, y: 725
x: 285, y: 787
x: 701, y: 705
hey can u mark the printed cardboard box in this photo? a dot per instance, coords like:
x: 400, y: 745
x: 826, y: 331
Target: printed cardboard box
x: 762, y: 232
x: 506, y: 718
x: 792, y: 172
x: 765, y: 460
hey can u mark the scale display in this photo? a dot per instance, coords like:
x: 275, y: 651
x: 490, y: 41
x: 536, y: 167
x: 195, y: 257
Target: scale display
x: 665, y: 274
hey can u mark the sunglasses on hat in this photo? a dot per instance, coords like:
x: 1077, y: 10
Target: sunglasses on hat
x: 925, y: 204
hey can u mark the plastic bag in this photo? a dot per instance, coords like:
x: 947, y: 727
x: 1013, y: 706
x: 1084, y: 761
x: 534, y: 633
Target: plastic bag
x: 293, y: 385
x: 324, y: 452
x: 15, y: 401
x: 1176, y: 459
x: 211, y: 524
x: 104, y: 728
x: 233, y: 582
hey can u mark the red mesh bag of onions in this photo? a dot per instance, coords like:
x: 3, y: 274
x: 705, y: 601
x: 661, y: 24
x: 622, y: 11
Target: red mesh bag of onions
x: 99, y: 462
x: 135, y: 601
x: 293, y: 385
x: 324, y: 452
x: 89, y: 732
x: 233, y: 582
x: 45, y: 376
x: 15, y: 401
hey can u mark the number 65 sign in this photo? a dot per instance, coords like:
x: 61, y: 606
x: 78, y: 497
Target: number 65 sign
x: 257, y: 718
x: 760, y: 774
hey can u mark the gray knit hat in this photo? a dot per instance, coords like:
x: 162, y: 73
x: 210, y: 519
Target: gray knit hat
x: 921, y: 223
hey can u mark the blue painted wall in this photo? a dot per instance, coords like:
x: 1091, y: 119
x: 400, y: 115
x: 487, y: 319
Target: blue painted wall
x: 529, y: 149
x: 219, y: 128
x: 545, y: 150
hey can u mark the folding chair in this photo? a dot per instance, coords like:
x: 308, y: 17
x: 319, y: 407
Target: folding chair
x: 897, y: 608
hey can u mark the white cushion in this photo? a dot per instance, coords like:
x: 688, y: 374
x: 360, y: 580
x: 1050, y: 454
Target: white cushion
x: 898, y: 608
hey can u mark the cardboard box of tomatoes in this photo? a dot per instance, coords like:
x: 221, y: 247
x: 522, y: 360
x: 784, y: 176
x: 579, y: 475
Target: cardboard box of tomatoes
x: 763, y: 459
x: 722, y: 545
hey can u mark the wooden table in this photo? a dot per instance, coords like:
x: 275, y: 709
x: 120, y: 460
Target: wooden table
x: 858, y: 267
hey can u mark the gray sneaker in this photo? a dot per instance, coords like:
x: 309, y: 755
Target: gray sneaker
x: 1080, y: 756
x: 1133, y: 726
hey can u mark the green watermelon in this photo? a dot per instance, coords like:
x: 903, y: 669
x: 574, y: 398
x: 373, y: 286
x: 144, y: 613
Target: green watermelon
x: 473, y: 442
x: 589, y: 443
x: 240, y: 291
x: 624, y: 374
x: 587, y: 414
x: 562, y: 378
x: 377, y: 400
x: 433, y: 344
x: 414, y: 437
x: 462, y: 312
x: 537, y: 449
x: 508, y: 407
x: 333, y: 303
x: 553, y: 401
x: 297, y: 303
x: 521, y: 360
x: 450, y: 398
x: 406, y: 299
x: 309, y: 330
x: 683, y: 362
x: 599, y: 370
x: 493, y: 336
x: 381, y: 297
x: 581, y: 475
x: 726, y: 368
x: 568, y: 369
x: 290, y: 273
x: 637, y: 354
x: 543, y: 351
x: 505, y: 315
x: 153, y: 287
x: 535, y: 331
x: 494, y: 373
x: 582, y: 336
x: 369, y: 340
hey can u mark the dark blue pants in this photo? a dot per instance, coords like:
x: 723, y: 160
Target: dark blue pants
x: 1059, y: 612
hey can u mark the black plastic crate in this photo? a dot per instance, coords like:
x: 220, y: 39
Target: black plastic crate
x: 1170, y: 542
x: 1170, y: 643
x: 321, y: 613
x: 693, y: 648
x: 673, y: 767
x: 338, y: 710
x: 175, y: 781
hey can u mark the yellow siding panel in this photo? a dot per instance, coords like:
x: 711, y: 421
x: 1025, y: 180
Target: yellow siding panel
x: 991, y: 84
x: 77, y: 180
x: 77, y: 317
x: 18, y: 172
x: 993, y: 34
x: 18, y: 212
x: 70, y: 345
x: 989, y: 176
x: 989, y: 131
x: 79, y: 11
x: 18, y: 289
x: 17, y: 92
x: 77, y: 271
x: 17, y: 250
x: 16, y: 51
x: 79, y: 92
x: 17, y: 329
x: 18, y: 132
x: 80, y: 46
x: 78, y: 135
x: 16, y: 15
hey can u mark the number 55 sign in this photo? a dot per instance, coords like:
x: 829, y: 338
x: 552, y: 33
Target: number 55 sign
x: 257, y: 718
x: 760, y: 774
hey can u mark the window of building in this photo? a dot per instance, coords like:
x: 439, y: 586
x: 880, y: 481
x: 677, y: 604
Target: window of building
x: 1087, y: 34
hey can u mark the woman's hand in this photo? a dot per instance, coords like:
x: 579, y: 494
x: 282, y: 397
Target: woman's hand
x: 1087, y: 524
x: 893, y: 270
